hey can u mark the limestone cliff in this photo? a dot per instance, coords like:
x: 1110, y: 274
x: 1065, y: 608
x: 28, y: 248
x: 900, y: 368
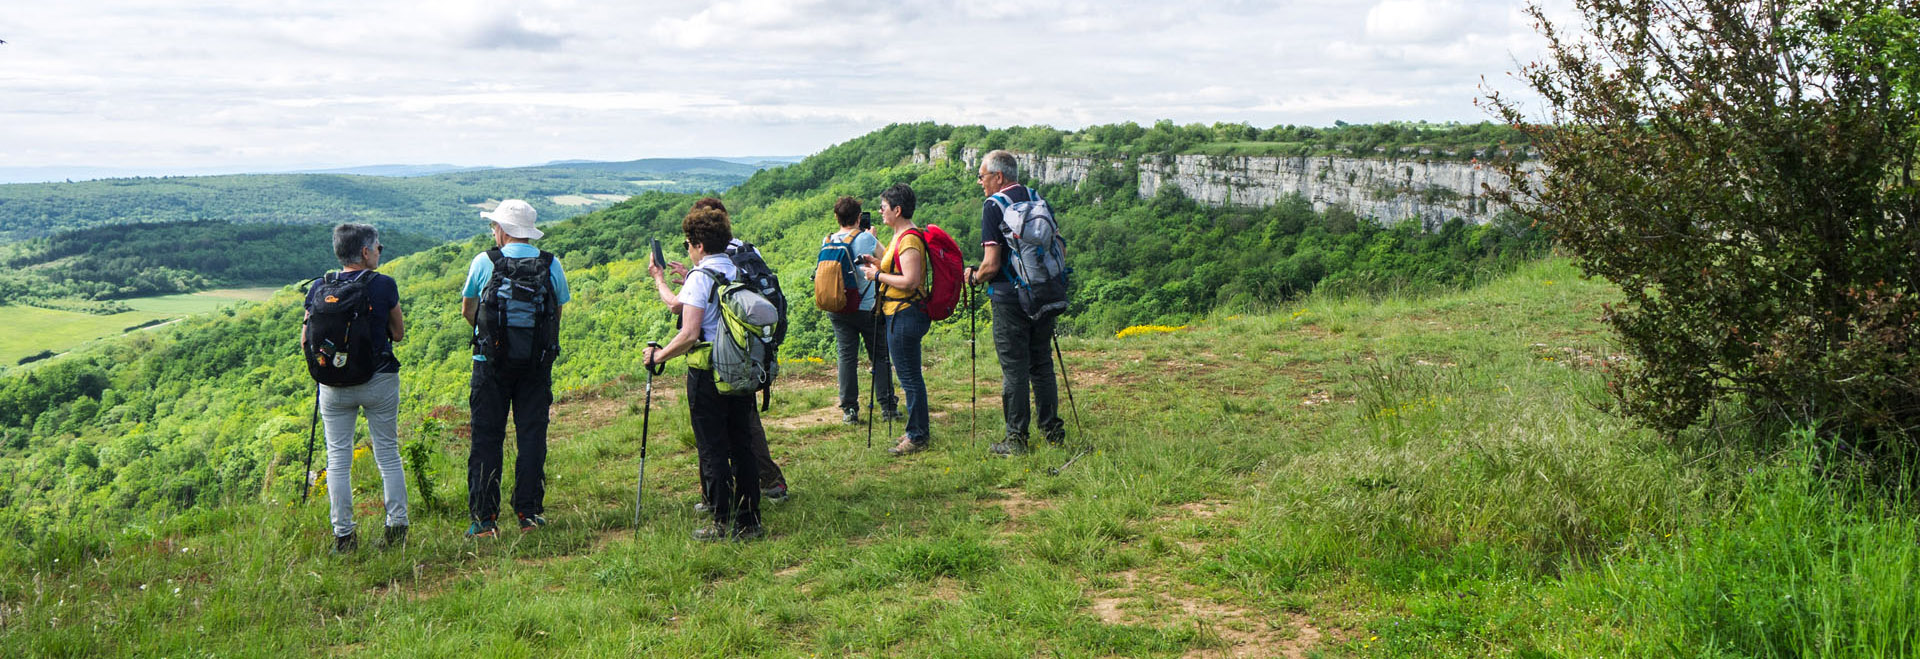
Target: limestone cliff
x: 1387, y: 189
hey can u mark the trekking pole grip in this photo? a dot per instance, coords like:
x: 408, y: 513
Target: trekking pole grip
x: 659, y: 368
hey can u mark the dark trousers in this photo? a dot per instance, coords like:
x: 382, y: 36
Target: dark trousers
x: 849, y: 330
x: 1026, y: 363
x: 770, y: 475
x: 757, y: 443
x: 528, y: 392
x: 722, y: 433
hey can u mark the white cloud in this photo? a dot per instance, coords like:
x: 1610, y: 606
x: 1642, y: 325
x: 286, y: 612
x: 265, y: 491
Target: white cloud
x: 197, y: 84
x: 1416, y: 21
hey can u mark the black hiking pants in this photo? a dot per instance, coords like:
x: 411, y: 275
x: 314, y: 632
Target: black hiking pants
x: 494, y: 391
x: 722, y: 434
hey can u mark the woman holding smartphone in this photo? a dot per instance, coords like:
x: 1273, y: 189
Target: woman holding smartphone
x: 902, y: 275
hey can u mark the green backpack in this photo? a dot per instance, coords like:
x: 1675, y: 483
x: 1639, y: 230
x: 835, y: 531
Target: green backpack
x: 742, y: 358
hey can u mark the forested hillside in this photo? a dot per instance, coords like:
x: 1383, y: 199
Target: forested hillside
x: 440, y: 205
x: 1444, y: 141
x: 213, y: 409
x: 109, y: 263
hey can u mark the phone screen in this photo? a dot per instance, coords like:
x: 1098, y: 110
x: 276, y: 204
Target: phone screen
x: 659, y: 259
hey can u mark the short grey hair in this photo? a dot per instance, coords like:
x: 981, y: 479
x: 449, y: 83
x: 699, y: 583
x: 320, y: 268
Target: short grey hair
x: 350, y: 238
x: 1002, y: 162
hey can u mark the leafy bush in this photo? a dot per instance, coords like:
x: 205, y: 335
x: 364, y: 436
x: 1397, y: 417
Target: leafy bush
x: 1763, y: 226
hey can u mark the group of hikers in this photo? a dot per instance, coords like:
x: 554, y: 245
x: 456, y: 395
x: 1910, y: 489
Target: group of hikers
x: 728, y: 305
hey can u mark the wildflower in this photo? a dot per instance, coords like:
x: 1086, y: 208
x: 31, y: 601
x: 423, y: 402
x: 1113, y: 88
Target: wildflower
x: 1137, y: 330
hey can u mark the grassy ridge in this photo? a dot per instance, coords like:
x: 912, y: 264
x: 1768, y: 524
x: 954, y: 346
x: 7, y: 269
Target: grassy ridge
x: 1355, y: 477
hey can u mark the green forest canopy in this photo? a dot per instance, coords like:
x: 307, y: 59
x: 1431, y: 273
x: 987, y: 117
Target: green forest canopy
x: 443, y: 206
x: 109, y: 263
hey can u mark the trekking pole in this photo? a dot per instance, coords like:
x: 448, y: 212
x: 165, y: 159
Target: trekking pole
x: 306, y: 482
x: 1061, y: 361
x: 903, y: 384
x: 973, y: 363
x: 873, y: 367
x: 646, y: 419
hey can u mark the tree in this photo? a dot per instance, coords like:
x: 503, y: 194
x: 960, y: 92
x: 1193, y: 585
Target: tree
x: 1744, y: 172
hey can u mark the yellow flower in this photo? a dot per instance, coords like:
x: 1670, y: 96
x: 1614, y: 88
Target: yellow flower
x: 1137, y: 330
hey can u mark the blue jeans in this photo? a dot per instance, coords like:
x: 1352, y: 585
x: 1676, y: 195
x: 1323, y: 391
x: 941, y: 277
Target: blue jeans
x: 905, y: 329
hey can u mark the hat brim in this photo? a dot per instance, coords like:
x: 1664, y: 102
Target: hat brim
x: 517, y: 231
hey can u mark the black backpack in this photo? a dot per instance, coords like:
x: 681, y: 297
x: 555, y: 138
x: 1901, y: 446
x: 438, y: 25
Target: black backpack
x: 518, y: 318
x: 338, y: 337
x: 756, y: 275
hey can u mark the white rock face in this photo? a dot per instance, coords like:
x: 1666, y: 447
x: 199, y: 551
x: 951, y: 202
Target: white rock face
x: 1386, y: 189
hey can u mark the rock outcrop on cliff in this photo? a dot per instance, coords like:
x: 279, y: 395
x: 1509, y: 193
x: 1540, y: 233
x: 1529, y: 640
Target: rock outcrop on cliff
x: 1386, y: 189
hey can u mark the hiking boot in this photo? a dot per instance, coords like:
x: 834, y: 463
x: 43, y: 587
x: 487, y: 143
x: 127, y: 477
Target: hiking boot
x: 484, y: 528
x: 892, y: 415
x: 775, y: 494
x: 531, y: 522
x: 1057, y: 437
x: 850, y: 417
x: 749, y: 533
x: 396, y: 535
x: 346, y: 544
x: 712, y: 532
x: 702, y: 507
x: 1009, y: 447
x: 907, y: 447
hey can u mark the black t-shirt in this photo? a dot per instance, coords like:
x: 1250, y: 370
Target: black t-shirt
x: 384, y: 294
x: 990, y: 213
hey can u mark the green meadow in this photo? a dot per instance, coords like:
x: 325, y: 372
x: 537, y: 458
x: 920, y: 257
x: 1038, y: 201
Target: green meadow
x: 1393, y: 476
x: 32, y: 330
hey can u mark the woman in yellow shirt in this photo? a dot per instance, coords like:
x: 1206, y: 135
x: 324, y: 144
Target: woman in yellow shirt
x: 902, y: 275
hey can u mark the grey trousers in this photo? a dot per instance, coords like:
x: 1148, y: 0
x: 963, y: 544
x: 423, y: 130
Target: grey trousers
x: 849, y: 329
x: 379, y: 399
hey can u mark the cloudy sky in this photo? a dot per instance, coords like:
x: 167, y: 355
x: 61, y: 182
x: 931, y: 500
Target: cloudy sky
x: 195, y: 86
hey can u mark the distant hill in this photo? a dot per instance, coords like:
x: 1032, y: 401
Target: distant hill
x: 443, y: 205
x: 392, y: 170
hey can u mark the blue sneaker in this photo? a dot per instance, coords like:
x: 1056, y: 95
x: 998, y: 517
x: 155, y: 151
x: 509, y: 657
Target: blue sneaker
x: 482, y: 528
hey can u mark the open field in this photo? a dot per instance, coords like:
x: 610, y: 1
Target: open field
x: 32, y: 330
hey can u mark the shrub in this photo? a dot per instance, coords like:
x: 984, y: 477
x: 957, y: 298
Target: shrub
x: 1744, y: 172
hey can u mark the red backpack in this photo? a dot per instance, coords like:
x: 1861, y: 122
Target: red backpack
x: 943, y: 256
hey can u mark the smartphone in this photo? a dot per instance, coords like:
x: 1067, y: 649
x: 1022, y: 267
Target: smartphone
x: 866, y: 220
x: 658, y: 258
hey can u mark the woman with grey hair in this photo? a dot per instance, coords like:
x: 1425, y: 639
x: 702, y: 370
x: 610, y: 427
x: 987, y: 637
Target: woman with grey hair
x: 358, y: 247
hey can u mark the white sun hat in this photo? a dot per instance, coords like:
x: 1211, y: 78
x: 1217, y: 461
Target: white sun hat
x: 515, y: 217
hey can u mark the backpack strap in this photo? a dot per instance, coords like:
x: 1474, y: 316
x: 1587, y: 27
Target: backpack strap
x: 895, y: 260
x: 713, y: 296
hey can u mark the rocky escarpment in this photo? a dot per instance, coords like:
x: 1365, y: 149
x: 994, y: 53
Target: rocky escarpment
x: 1387, y: 189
